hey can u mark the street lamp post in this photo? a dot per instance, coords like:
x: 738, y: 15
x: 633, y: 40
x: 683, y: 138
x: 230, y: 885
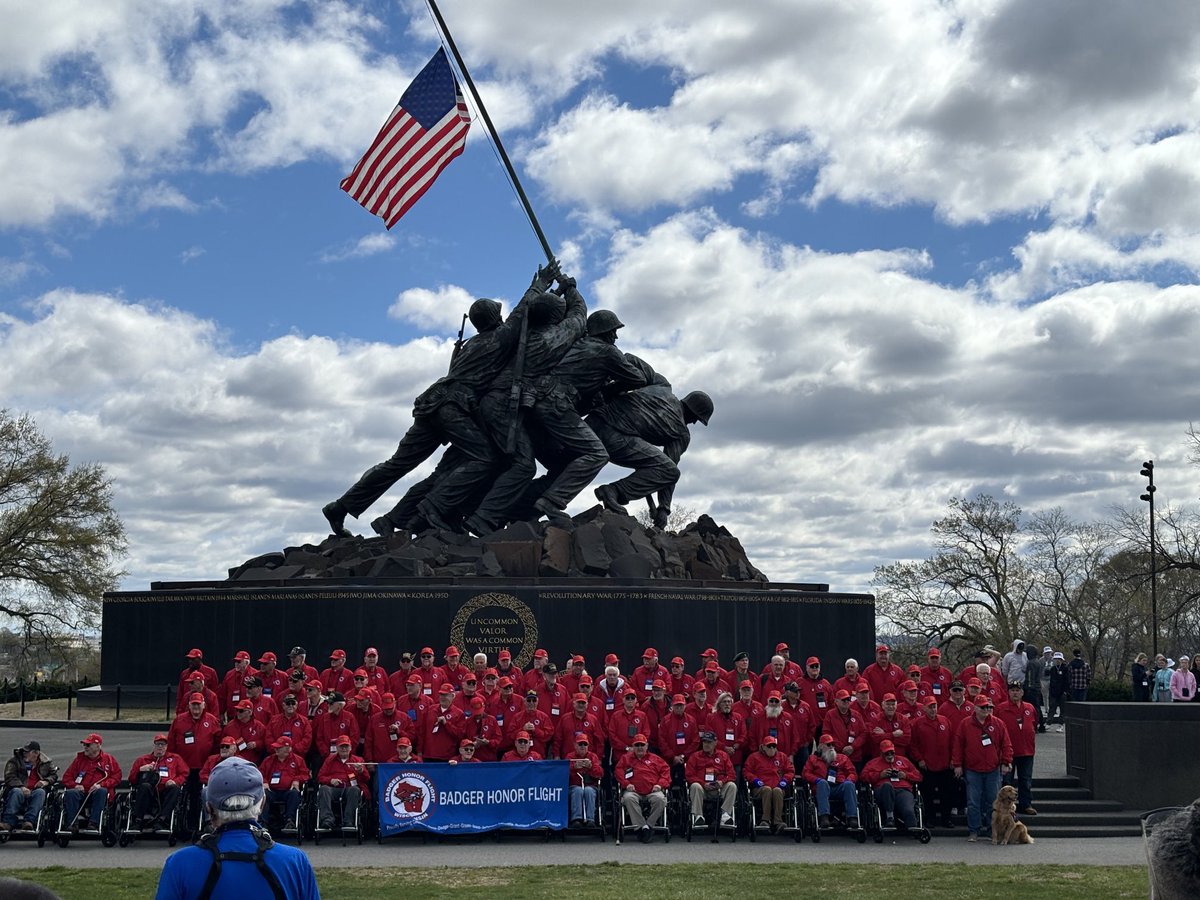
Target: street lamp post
x: 1148, y: 472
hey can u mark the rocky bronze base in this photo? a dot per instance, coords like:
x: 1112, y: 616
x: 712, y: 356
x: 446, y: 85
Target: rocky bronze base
x: 597, y: 543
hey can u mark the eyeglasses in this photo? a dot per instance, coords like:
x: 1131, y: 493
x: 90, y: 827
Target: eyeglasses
x: 772, y: 702
x: 522, y: 741
x: 468, y: 749
x: 640, y: 744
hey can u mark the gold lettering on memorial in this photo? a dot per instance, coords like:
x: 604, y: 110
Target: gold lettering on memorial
x: 489, y: 623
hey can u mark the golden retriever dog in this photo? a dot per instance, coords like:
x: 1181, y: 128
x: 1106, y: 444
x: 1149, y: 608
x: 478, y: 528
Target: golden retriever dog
x: 1005, y: 827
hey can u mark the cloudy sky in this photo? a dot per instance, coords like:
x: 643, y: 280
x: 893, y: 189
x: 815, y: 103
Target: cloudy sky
x: 914, y: 250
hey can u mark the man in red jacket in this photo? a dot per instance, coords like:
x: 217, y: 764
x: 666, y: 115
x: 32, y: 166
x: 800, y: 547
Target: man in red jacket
x: 482, y: 730
x: 678, y: 736
x: 194, y: 735
x: 412, y: 702
x: 233, y: 685
x: 937, y: 676
x: 522, y: 750
x: 342, y: 779
x: 815, y: 689
x: 768, y: 772
x: 625, y: 723
x: 892, y: 776
x: 157, y: 778
x: 553, y: 698
x: 90, y: 781
x: 1020, y: 718
x: 847, y: 728
x: 643, y: 677
x: 440, y: 727
x: 832, y: 778
x: 284, y: 776
x: 583, y: 781
x: 567, y: 732
x: 535, y: 722
x: 643, y: 776
x: 709, y: 772
x: 931, y: 738
x: 197, y: 685
x: 384, y: 730
x: 883, y: 675
x: 292, y: 725
x: 209, y: 679
x: 274, y: 681
x: 250, y: 733
x: 338, y: 721
x: 958, y: 707
x: 337, y: 677
x: 981, y: 753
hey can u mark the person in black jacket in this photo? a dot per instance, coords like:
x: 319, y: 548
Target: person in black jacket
x: 1141, y: 677
x: 1059, y: 683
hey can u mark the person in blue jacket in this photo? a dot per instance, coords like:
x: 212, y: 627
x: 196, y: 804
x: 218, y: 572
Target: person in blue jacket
x: 238, y: 861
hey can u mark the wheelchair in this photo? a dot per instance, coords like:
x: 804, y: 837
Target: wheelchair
x: 795, y: 815
x: 871, y: 816
x: 837, y: 817
x: 670, y: 813
x: 355, y: 826
x: 713, y: 826
x: 596, y: 826
x: 41, y: 825
x: 66, y: 831
x: 128, y: 830
x: 276, y: 820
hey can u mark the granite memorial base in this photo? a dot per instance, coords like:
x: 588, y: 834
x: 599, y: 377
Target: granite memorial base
x: 147, y: 633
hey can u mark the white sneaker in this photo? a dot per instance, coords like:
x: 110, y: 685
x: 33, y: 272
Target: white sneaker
x: 1060, y: 729
x: 726, y: 818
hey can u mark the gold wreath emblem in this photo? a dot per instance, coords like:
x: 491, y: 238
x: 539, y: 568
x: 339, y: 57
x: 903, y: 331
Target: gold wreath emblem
x: 521, y: 656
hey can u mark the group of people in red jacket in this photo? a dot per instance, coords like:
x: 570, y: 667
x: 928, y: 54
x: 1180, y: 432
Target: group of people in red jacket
x: 654, y: 726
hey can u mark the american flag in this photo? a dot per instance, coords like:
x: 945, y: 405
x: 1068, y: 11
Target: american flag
x: 426, y: 130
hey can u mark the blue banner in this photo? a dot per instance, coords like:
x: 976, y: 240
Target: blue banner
x: 472, y: 797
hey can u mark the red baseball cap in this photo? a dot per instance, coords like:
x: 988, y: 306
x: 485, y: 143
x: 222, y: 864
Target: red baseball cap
x: 679, y: 698
x: 629, y: 692
x: 649, y: 652
x: 931, y: 701
x: 477, y: 703
x: 585, y: 679
x: 710, y: 652
x: 711, y: 666
x: 426, y: 651
x: 344, y: 741
x: 158, y: 738
x: 770, y: 741
x: 974, y: 682
x: 504, y: 682
x: 887, y: 697
x: 452, y: 651
x: 446, y: 689
x: 612, y: 659
x: 243, y: 704
x: 861, y: 686
x: 781, y: 646
x: 504, y: 654
x: 388, y: 701
x: 885, y: 746
x: 92, y: 739
x: 540, y: 653
x: 195, y: 697
x: 842, y: 695
x: 414, y: 678
x: 194, y: 653
x: 466, y: 742
x: 522, y: 736
x: 579, y: 697
x: 228, y: 741
x: 313, y: 685
x: 241, y: 654
x: 774, y: 695
x: 360, y: 672
x: 934, y: 651
x: 371, y: 651
x: 677, y: 661
x: 577, y: 659
x: 268, y: 657
x: 639, y: 738
x: 338, y: 654
x: 813, y: 661
x: 659, y: 685
x: 283, y: 741
x: 984, y: 701
x: 404, y: 741
x: 826, y: 739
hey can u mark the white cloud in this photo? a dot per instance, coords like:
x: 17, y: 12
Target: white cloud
x: 367, y: 245
x: 441, y: 310
x: 191, y: 253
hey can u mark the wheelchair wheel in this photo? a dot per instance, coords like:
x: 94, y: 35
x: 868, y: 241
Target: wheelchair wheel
x: 924, y: 836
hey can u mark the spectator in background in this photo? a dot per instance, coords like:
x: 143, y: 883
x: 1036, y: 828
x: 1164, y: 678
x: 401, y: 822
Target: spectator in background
x: 1183, y: 682
x: 1079, y: 676
x: 1058, y: 688
x: 1140, y: 675
x: 1034, y: 670
x: 1162, y: 678
x: 1014, y: 664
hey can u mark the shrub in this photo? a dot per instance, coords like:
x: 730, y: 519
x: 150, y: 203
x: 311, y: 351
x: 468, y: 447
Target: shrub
x: 1110, y: 690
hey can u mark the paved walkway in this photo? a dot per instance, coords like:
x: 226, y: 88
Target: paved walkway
x: 62, y: 744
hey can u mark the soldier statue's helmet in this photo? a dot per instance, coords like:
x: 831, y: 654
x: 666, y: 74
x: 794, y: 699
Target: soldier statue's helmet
x: 699, y: 404
x: 484, y: 314
x: 602, y: 321
x: 547, y: 309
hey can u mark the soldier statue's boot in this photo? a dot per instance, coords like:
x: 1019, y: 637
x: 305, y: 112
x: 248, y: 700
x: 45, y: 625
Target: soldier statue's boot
x: 336, y: 514
x: 607, y: 494
x: 477, y: 526
x: 430, y: 514
x: 549, y: 510
x: 383, y: 526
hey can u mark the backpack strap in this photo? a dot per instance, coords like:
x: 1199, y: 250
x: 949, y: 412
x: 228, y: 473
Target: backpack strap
x: 263, y: 842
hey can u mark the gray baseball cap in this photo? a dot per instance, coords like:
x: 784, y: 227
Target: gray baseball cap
x: 231, y: 777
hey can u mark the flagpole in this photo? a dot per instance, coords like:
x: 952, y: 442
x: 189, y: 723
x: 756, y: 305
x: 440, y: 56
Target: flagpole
x: 487, y: 120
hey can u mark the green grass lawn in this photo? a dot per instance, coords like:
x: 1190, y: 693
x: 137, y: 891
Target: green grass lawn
x: 684, y: 880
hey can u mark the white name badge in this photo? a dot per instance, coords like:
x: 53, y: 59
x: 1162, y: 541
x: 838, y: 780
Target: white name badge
x: 163, y: 771
x: 987, y: 740
x: 831, y: 778
x: 275, y: 778
x: 428, y: 692
x: 729, y: 737
x: 708, y: 776
x: 554, y: 710
x: 188, y: 739
x: 241, y: 745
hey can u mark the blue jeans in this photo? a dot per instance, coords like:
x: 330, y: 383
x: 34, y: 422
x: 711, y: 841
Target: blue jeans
x: 1021, y: 775
x: 897, y: 802
x: 982, y: 788
x: 31, y: 804
x: 583, y: 802
x: 97, y: 799
x: 844, y: 792
x: 1078, y: 696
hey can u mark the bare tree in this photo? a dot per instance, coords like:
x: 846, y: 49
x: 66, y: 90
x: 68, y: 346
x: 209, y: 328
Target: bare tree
x: 680, y: 518
x: 60, y: 538
x: 975, y: 588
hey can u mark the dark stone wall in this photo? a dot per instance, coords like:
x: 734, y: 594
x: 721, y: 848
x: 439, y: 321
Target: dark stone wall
x: 146, y: 634
x: 1138, y: 753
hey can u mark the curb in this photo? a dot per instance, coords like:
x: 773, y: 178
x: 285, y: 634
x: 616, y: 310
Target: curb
x: 83, y: 725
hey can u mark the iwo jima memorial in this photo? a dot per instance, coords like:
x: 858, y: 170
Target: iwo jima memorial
x: 481, y: 554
